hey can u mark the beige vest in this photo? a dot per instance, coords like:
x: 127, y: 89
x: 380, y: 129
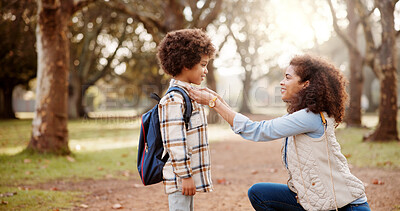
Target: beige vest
x: 310, y: 174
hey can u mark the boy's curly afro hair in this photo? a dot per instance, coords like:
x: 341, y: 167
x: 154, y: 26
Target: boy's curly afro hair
x: 183, y: 48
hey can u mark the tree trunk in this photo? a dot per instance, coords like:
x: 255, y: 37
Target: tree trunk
x: 386, y: 64
x: 244, y: 107
x: 213, y: 116
x: 174, y: 18
x: 75, y: 97
x: 387, y: 126
x: 369, y: 79
x: 6, y: 110
x: 49, y: 126
x: 353, y: 116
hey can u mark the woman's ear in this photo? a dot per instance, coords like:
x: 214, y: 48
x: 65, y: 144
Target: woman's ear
x: 306, y: 84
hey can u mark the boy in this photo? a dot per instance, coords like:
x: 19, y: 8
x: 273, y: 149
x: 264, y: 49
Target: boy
x: 184, y: 54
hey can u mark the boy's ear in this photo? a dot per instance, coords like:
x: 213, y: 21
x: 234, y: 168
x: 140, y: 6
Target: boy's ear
x: 185, y: 69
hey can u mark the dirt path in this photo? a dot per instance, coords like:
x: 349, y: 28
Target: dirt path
x: 236, y: 165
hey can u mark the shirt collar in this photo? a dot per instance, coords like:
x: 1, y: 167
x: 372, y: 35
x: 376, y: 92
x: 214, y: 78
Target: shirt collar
x: 179, y: 83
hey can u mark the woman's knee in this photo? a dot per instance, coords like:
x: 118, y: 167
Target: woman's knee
x: 270, y: 191
x: 260, y: 192
x: 253, y: 190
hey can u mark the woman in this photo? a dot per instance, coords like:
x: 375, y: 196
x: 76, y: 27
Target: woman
x: 319, y: 176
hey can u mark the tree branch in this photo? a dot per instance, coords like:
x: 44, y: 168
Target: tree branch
x: 211, y: 16
x: 222, y: 44
x: 339, y: 32
x: 106, y: 69
x: 89, y: 56
x: 193, y: 5
x: 81, y: 4
x: 54, y: 5
x: 197, y: 12
x: 149, y: 20
x: 370, y: 12
x: 370, y: 50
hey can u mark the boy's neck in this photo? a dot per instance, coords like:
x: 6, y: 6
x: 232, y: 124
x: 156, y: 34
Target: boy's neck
x: 180, y: 78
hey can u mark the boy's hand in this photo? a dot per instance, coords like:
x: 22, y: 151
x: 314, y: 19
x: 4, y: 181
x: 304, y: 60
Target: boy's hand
x: 188, y: 187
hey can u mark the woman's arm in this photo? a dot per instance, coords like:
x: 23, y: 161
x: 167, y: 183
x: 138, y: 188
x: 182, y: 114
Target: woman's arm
x: 299, y: 122
x: 205, y: 95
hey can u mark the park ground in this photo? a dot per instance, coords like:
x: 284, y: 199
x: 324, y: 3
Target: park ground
x: 236, y: 165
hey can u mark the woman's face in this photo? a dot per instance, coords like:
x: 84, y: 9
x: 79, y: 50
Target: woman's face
x: 290, y: 85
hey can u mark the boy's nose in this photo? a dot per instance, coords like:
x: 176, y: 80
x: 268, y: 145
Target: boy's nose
x: 205, y: 70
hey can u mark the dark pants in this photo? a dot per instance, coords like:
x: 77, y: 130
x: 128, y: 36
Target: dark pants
x: 273, y: 196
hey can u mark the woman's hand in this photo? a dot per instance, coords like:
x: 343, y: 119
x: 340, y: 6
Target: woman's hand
x: 201, y: 96
x: 215, y: 94
x: 204, y: 95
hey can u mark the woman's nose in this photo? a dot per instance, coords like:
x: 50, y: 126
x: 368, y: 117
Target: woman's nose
x: 205, y: 70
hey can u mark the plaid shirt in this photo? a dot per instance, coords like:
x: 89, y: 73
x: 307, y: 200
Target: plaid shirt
x: 188, y: 148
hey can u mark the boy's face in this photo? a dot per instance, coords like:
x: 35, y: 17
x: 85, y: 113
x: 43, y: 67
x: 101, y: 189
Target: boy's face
x: 199, y: 71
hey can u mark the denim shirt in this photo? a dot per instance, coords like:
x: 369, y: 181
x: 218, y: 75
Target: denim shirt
x: 299, y: 122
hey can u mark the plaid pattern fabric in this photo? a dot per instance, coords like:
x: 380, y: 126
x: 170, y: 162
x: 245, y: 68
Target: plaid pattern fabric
x: 188, y: 148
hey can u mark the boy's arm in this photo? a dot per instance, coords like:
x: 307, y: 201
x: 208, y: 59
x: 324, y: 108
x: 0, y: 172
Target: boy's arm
x: 173, y: 133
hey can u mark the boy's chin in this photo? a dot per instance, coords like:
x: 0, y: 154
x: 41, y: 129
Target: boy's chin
x: 197, y: 83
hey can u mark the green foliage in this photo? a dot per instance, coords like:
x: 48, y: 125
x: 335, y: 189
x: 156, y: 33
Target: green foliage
x: 21, y: 199
x: 17, y: 50
x: 368, y: 154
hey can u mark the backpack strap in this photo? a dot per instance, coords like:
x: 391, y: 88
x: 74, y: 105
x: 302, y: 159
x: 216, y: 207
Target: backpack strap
x: 155, y: 97
x: 188, y: 103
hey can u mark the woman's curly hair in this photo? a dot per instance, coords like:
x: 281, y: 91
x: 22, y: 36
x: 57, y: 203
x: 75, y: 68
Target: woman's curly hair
x: 326, y: 90
x: 183, y: 48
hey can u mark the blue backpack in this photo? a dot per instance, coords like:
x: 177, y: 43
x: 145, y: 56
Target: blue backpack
x: 150, y: 162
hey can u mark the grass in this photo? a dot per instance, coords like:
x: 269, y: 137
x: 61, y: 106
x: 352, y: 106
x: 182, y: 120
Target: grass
x: 84, y: 134
x: 368, y: 154
x: 101, y: 149
x: 33, y: 169
x: 37, y: 199
x: 23, y: 170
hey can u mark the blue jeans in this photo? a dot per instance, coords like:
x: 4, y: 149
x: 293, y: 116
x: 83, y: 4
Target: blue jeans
x: 273, y: 196
x: 179, y: 202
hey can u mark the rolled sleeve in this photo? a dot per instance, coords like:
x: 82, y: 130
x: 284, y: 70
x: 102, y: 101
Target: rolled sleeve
x: 239, y: 123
